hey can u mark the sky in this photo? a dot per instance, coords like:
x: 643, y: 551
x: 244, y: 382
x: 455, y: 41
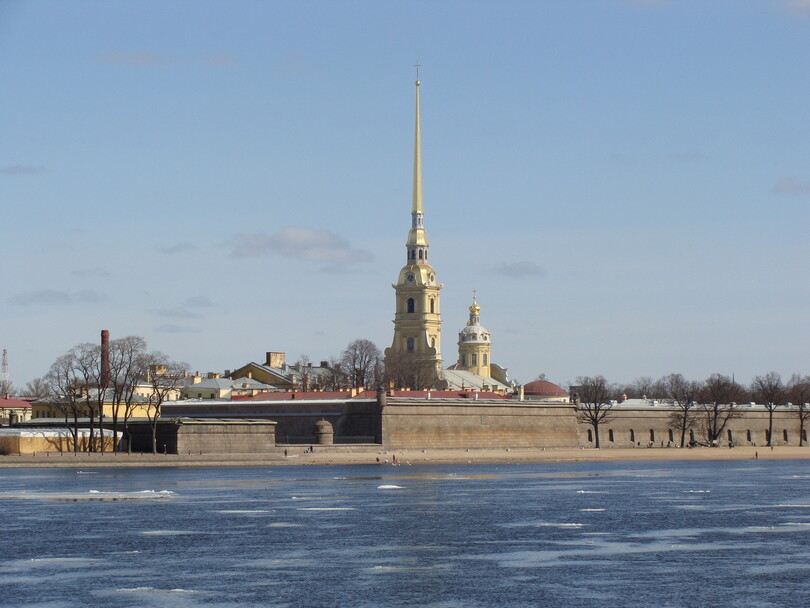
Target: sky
x: 626, y: 184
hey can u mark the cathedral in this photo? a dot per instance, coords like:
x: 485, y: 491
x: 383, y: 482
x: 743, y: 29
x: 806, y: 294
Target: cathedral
x: 414, y: 359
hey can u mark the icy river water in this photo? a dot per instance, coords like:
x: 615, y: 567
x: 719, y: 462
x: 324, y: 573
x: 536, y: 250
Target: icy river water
x: 544, y: 535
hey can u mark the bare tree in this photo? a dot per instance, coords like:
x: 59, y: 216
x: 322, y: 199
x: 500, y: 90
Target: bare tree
x: 37, y: 389
x: 165, y: 376
x: 128, y: 367
x: 64, y: 393
x: 798, y: 393
x: 403, y: 371
x: 770, y: 390
x: 594, y: 404
x: 683, y: 393
x: 717, y: 402
x: 7, y: 388
x: 362, y: 360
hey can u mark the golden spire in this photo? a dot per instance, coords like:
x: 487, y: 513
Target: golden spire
x: 417, y: 155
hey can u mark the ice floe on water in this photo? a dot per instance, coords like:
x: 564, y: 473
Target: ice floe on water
x: 90, y: 495
x: 389, y: 487
x: 591, y: 492
x: 591, y: 510
x: 284, y: 524
x: 326, y: 508
x: 167, y: 532
x: 153, y: 590
x: 242, y: 511
x: 697, y: 491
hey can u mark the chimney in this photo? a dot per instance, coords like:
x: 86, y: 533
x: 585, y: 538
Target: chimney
x: 105, y: 358
x: 275, y: 359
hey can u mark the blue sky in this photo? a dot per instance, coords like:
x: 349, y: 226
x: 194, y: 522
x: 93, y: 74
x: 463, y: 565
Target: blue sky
x: 625, y: 183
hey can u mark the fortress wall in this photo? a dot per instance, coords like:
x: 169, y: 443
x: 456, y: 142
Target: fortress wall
x: 226, y: 438
x: 642, y: 421
x: 477, y: 425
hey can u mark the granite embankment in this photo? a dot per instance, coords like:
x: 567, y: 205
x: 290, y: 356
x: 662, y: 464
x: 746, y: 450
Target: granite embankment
x: 345, y: 455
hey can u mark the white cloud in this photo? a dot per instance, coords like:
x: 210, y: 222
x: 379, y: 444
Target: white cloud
x: 790, y: 185
x: 198, y: 302
x: 299, y: 243
x: 520, y: 269
x: 21, y: 170
x: 178, y: 248
x: 169, y: 328
x: 52, y: 297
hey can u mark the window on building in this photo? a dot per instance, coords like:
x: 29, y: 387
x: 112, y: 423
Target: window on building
x: 767, y: 436
x: 652, y: 435
x: 590, y: 435
x: 785, y: 435
x: 411, y: 343
x: 464, y: 360
x: 671, y: 435
x: 420, y: 254
x: 748, y: 435
x: 632, y: 436
x: 433, y: 342
x: 610, y: 435
x: 692, y: 436
x: 432, y: 305
x: 474, y: 359
x: 730, y: 436
x: 411, y: 305
x: 804, y: 434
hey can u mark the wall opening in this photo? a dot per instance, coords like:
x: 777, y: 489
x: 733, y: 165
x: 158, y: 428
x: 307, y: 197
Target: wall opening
x: 652, y: 435
x: 785, y: 435
x: 590, y: 436
x: 411, y: 305
x: 748, y: 435
x: 411, y: 343
x: 632, y: 436
x: 671, y: 436
x: 730, y: 436
x: 610, y: 435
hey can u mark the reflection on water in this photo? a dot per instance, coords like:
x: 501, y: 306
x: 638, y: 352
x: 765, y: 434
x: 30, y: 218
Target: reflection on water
x: 578, y: 535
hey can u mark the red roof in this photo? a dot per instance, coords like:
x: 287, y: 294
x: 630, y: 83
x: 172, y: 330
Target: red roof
x: 15, y: 403
x: 288, y: 395
x: 543, y: 388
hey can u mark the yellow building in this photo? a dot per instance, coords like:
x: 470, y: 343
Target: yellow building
x: 417, y: 322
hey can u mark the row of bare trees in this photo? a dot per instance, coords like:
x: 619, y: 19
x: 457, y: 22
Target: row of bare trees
x: 707, y: 405
x: 81, y: 384
x: 361, y: 365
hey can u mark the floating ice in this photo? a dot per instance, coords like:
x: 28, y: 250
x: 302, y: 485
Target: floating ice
x: 389, y: 487
x: 591, y: 510
x: 326, y: 508
x: 90, y: 495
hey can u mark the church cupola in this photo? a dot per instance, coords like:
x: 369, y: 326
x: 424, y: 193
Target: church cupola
x: 475, y: 344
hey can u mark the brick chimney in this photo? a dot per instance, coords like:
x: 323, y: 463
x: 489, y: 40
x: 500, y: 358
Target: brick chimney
x: 105, y: 358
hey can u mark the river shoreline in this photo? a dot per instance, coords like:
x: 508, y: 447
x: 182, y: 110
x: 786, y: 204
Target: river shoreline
x: 366, y: 455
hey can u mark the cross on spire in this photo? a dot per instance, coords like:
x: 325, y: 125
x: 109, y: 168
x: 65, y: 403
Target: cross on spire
x: 417, y: 65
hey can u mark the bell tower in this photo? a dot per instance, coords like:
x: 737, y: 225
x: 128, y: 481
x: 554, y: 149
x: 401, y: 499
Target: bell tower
x: 416, y: 349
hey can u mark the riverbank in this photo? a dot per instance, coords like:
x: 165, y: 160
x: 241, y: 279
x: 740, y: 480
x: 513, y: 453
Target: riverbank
x: 368, y: 454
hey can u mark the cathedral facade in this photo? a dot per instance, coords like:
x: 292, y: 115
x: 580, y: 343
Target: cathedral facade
x: 414, y: 359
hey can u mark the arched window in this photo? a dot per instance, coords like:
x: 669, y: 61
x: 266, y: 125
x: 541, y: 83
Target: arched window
x: 474, y: 359
x: 411, y: 304
x: 432, y: 305
x: 420, y: 254
x: 411, y: 342
x: 433, y: 342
